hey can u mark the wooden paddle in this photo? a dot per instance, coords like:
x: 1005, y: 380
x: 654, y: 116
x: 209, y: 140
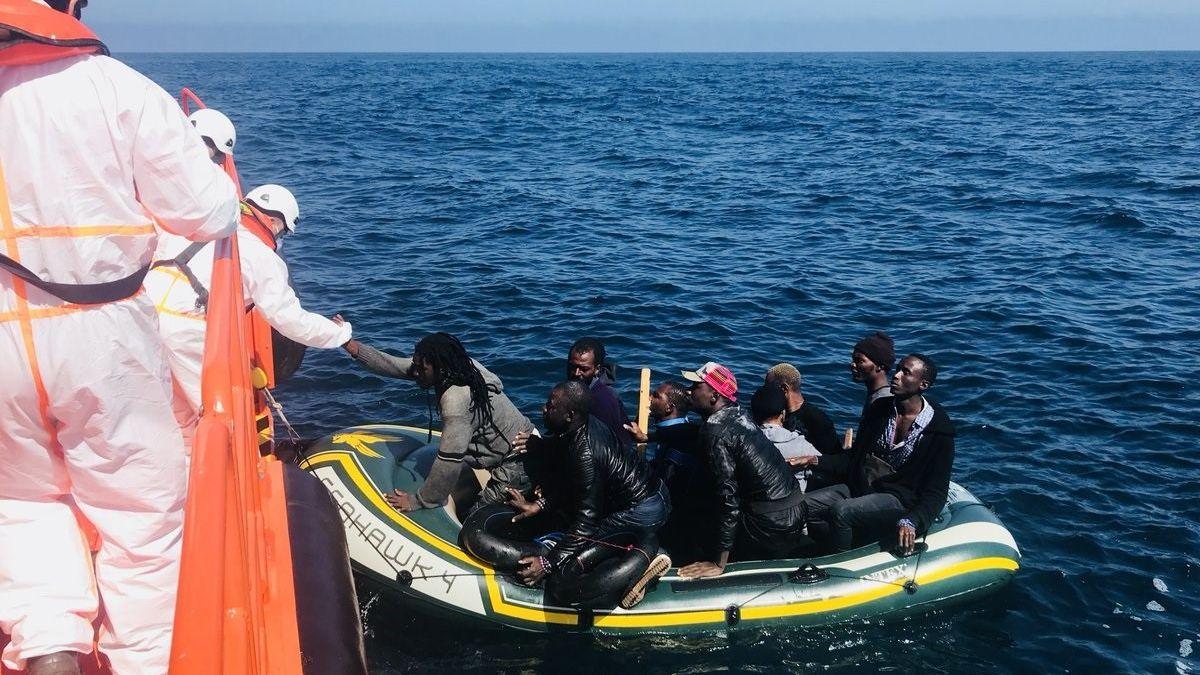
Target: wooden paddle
x: 643, y: 415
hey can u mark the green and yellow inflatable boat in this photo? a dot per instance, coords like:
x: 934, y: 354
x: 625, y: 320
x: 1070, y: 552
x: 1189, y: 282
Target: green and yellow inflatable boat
x: 415, y: 556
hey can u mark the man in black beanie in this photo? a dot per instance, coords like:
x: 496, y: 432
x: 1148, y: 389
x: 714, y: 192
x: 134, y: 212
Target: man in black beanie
x: 869, y: 363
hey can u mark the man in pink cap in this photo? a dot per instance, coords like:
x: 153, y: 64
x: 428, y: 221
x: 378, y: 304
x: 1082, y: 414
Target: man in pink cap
x: 760, y: 507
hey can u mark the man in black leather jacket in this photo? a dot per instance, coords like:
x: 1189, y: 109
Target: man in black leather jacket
x: 761, y: 507
x: 601, y: 487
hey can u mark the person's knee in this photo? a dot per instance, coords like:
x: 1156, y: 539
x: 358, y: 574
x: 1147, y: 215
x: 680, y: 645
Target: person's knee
x: 841, y: 513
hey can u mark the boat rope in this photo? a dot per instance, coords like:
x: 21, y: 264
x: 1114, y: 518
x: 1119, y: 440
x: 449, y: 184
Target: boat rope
x: 909, y: 584
x: 622, y: 547
x: 278, y: 409
x: 400, y: 571
x: 303, y: 451
x: 405, y: 578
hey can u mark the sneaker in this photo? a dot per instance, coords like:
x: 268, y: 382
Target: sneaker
x: 657, y: 568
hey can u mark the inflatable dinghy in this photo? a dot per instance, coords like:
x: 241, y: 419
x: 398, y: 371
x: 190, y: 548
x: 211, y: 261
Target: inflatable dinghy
x: 416, y: 557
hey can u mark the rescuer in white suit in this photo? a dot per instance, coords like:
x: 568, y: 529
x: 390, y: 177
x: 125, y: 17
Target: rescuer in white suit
x: 89, y: 149
x: 269, y: 213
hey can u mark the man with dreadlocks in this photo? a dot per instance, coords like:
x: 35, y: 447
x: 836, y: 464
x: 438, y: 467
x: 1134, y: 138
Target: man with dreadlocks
x: 478, y: 419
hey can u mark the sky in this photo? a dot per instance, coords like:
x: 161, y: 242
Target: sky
x: 645, y: 25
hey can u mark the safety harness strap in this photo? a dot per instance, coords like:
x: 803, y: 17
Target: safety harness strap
x: 80, y: 294
x: 180, y: 262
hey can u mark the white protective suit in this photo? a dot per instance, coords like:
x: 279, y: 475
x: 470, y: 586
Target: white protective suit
x: 264, y: 284
x: 86, y: 420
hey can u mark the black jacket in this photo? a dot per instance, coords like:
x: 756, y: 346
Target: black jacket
x: 677, y: 445
x: 593, y: 479
x: 815, y: 426
x: 921, y: 483
x: 747, y: 467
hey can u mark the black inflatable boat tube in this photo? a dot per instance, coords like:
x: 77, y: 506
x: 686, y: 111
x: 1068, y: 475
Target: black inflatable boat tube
x: 596, y: 579
x: 326, y: 607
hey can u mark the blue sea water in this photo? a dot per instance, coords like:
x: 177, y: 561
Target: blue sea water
x: 1029, y: 220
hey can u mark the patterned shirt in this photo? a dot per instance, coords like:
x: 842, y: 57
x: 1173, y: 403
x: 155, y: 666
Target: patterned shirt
x: 896, y: 454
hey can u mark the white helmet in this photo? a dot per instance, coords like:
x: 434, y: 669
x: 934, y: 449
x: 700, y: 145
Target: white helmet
x: 216, y: 127
x: 276, y: 199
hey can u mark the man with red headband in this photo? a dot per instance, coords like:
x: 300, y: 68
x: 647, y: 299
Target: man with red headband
x: 760, y: 505
x: 92, y: 155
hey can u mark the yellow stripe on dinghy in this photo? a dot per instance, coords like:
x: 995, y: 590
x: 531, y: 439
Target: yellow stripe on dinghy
x: 635, y: 619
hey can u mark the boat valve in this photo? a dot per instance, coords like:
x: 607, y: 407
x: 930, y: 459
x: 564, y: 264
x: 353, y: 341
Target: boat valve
x: 404, y: 578
x: 733, y: 614
x: 911, y: 586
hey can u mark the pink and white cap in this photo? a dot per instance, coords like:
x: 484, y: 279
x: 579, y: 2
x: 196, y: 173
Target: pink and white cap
x: 717, y: 376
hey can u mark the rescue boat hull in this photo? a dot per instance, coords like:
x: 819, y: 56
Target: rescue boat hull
x: 416, y: 558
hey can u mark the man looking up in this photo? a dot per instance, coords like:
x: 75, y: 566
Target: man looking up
x: 760, y: 506
x: 586, y: 363
x: 869, y: 364
x: 897, y: 473
x: 89, y: 148
x: 803, y: 416
x: 601, y: 487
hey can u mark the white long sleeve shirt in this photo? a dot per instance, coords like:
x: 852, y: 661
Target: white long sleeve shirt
x: 264, y: 284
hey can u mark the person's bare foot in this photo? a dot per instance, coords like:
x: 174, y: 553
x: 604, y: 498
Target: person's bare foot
x: 58, y: 663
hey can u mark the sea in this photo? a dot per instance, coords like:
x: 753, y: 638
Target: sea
x: 1030, y: 221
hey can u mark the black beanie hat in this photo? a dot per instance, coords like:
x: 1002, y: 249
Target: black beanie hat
x: 879, y: 348
x: 767, y: 402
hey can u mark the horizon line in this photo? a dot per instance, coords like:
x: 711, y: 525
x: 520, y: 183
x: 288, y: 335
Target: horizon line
x: 674, y: 52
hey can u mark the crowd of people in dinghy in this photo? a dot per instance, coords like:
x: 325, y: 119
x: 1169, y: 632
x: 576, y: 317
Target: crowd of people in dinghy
x: 101, y: 384
x: 723, y: 483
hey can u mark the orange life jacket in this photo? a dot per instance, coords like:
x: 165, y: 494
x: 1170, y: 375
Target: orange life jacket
x: 43, y: 34
x: 257, y: 222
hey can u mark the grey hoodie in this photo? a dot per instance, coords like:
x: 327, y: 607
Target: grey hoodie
x: 791, y: 444
x: 465, y: 439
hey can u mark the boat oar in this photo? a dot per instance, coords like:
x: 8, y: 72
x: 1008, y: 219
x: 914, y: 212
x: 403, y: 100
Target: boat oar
x: 643, y: 416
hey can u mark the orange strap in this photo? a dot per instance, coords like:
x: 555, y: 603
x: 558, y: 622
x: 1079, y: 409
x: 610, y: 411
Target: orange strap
x: 77, y: 231
x: 254, y: 220
x: 23, y: 313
